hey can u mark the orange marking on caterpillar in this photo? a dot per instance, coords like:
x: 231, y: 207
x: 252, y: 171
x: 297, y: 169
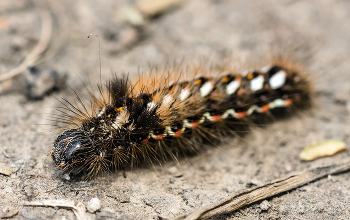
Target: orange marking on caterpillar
x: 217, y: 117
x: 224, y: 79
x: 177, y: 133
x: 159, y: 137
x: 144, y: 141
x: 194, y: 124
x: 198, y: 81
x: 241, y: 114
x: 288, y: 102
x: 61, y: 165
x: 265, y: 108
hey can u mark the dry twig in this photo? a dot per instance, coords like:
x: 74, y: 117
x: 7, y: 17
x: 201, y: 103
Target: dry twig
x: 249, y: 196
x: 35, y: 56
x: 79, y: 209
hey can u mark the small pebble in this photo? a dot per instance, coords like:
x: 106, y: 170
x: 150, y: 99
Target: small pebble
x: 172, y: 170
x: 94, y: 205
x: 66, y: 176
x: 265, y: 205
x: 175, y: 172
x: 40, y: 82
x: 288, y: 167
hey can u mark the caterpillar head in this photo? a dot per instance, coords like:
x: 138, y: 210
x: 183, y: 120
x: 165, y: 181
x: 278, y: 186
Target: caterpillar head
x: 71, y: 149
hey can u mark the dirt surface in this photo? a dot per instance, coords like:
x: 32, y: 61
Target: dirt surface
x: 318, y: 31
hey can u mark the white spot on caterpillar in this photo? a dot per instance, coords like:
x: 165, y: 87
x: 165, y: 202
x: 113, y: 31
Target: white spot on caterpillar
x: 151, y: 105
x: 166, y: 103
x: 168, y: 131
x: 131, y: 126
x: 206, y: 88
x: 278, y: 80
x: 167, y: 100
x: 277, y: 103
x: 257, y: 83
x: 232, y: 87
x: 116, y: 126
x: 101, y: 112
x: 151, y: 134
x: 205, y: 116
x: 186, y: 124
x: 184, y: 94
x: 121, y: 119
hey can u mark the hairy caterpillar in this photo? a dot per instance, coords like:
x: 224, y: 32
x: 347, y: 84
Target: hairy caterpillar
x: 157, y: 116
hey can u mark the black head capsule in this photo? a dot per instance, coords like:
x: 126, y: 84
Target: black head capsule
x: 69, y: 149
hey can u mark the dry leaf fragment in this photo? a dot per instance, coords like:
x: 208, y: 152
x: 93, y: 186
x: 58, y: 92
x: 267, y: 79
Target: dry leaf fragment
x: 5, y: 169
x: 131, y: 15
x: 322, y: 149
x: 153, y: 7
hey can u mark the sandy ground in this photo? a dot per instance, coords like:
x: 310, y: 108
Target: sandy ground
x: 318, y: 31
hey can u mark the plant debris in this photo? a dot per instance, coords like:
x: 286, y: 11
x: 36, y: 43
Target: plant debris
x: 249, y: 196
x: 322, y: 149
x: 79, y: 209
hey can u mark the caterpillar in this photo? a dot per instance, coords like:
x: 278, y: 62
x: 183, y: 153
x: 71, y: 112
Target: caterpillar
x: 171, y: 114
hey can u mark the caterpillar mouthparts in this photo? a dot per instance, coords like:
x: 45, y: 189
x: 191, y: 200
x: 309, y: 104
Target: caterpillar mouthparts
x: 130, y: 124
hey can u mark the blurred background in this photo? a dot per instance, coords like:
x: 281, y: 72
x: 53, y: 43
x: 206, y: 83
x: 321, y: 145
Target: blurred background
x: 134, y: 34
